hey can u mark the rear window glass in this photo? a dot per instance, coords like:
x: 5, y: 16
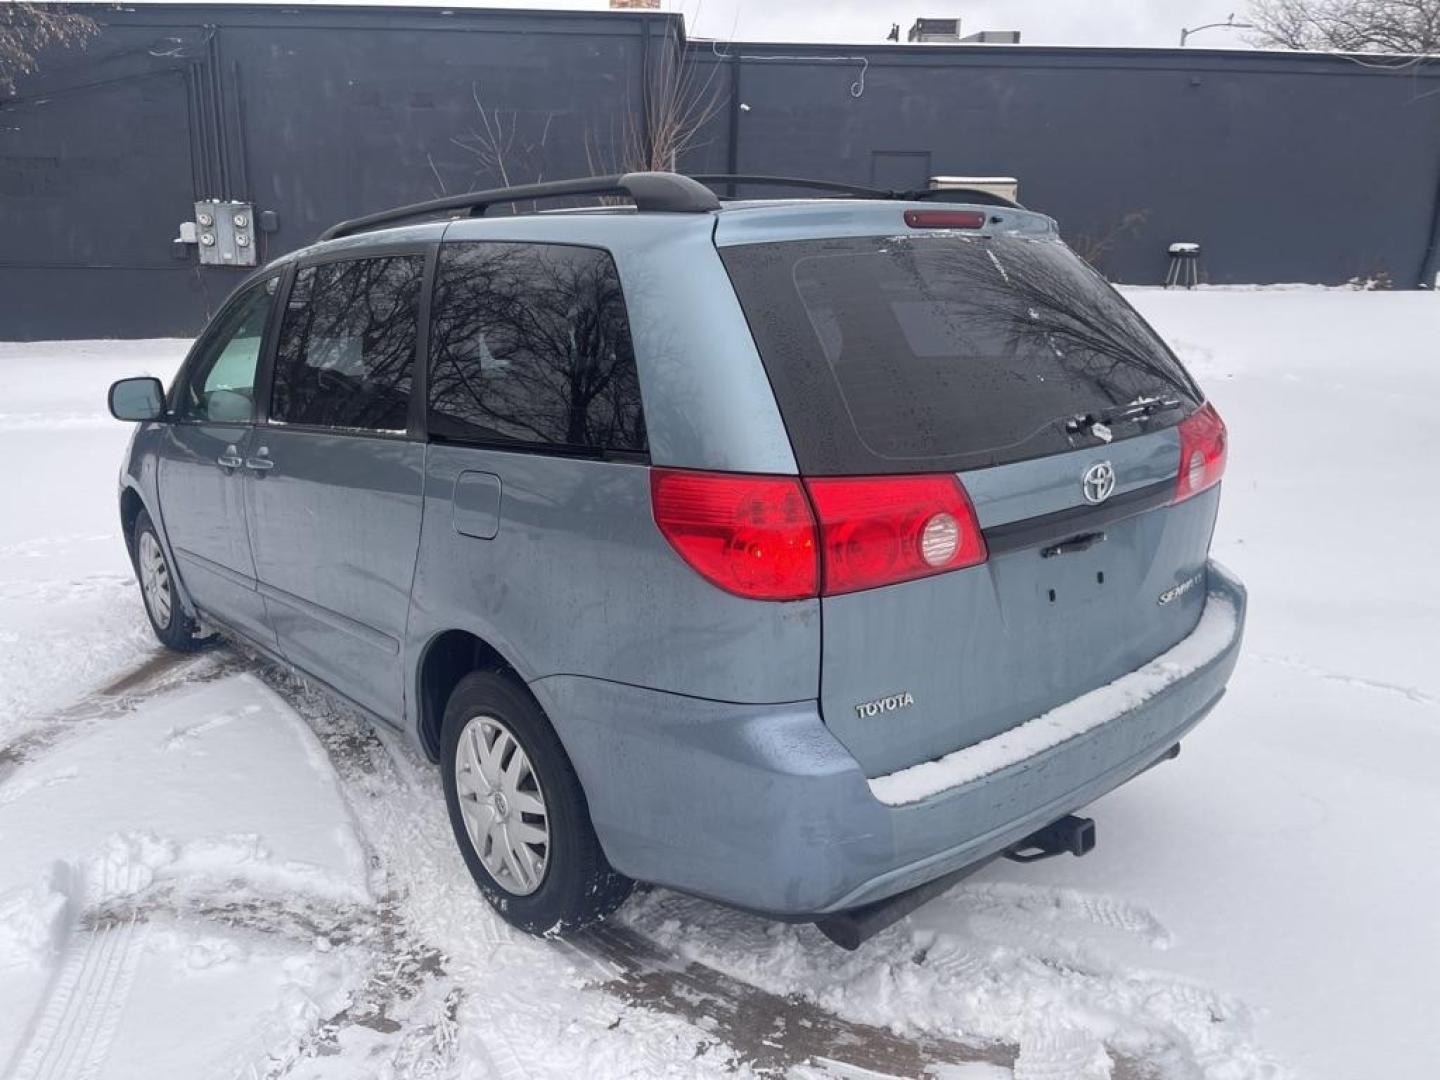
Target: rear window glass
x: 944, y: 352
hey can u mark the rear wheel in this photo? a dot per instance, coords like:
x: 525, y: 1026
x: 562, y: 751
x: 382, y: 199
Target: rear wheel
x: 519, y: 813
x: 172, y: 625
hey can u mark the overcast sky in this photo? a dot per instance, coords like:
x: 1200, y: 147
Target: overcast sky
x: 1041, y: 22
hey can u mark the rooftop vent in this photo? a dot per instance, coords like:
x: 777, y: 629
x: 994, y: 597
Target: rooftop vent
x: 1007, y: 187
x: 993, y: 37
x: 945, y: 31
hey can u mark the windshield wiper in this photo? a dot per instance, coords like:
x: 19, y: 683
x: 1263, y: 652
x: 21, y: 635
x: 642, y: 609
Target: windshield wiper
x: 1099, y: 423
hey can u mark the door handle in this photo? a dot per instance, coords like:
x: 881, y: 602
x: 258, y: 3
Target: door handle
x: 230, y: 459
x: 261, y: 461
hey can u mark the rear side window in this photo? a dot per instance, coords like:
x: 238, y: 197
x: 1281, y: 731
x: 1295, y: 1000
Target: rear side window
x: 530, y: 345
x: 905, y: 354
x: 347, y: 345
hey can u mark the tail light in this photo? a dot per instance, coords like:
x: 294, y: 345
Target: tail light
x: 1202, y: 452
x: 881, y: 530
x: 751, y: 535
x: 756, y: 536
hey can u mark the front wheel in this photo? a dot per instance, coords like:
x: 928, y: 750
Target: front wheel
x: 519, y: 813
x: 175, y: 629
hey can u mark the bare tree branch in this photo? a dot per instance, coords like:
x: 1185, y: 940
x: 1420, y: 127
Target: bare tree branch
x: 679, y: 103
x: 1392, y: 26
x: 500, y: 150
x: 1095, y: 245
x: 27, y: 28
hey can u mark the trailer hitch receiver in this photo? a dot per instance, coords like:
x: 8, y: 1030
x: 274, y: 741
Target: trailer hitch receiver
x: 1072, y: 834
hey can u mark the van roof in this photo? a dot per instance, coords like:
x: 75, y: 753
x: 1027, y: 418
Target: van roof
x: 663, y: 192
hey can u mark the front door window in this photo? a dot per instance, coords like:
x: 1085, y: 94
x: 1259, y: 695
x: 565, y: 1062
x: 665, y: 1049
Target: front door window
x: 221, y: 384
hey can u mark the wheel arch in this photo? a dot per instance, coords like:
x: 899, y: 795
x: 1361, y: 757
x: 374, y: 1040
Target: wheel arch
x: 447, y: 658
x: 131, y: 504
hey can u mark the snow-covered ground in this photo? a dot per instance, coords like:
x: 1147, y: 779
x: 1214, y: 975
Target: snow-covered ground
x: 208, y: 869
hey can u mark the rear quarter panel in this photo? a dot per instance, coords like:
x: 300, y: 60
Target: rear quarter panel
x: 578, y: 580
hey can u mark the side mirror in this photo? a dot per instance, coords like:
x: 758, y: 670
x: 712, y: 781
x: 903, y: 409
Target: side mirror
x: 137, y: 399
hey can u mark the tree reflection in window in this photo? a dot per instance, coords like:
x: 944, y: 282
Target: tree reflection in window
x: 947, y: 346
x: 530, y: 343
x: 347, y: 346
x: 1036, y: 294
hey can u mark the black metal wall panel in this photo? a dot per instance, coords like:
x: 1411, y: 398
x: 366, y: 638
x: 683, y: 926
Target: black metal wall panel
x: 345, y: 121
x: 1284, y: 167
x: 94, y: 163
x: 317, y: 115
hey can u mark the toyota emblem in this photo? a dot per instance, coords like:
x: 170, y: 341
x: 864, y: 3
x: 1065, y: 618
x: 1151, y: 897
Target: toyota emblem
x: 1098, y: 483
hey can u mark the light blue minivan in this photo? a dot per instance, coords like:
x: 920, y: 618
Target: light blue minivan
x: 799, y: 553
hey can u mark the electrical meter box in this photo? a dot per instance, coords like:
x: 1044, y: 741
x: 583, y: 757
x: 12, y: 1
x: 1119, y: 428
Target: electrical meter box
x: 225, y: 232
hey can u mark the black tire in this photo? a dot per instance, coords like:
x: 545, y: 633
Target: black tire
x: 176, y: 628
x: 578, y: 886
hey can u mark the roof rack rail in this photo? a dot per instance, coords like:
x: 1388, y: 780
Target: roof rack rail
x: 661, y: 191
x: 956, y: 194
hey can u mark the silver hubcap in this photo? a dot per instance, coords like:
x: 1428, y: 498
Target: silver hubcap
x: 155, y: 579
x: 503, y: 806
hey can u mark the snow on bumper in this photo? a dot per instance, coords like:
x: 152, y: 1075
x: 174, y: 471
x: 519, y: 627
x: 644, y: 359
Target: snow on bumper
x: 1218, y: 627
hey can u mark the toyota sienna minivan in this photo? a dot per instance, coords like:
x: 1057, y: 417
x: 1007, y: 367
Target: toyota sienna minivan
x: 799, y: 553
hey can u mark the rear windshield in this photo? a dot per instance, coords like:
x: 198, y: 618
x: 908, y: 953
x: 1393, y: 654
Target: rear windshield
x: 905, y: 354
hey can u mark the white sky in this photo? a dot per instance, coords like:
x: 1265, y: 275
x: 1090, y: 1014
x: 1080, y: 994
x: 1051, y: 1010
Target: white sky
x: 1041, y: 22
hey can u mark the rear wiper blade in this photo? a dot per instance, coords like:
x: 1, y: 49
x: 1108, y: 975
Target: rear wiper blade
x: 1098, y: 423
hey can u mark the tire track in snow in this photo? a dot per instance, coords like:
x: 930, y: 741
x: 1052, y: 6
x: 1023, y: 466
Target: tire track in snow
x: 769, y: 1033
x: 384, y: 1001
x: 158, y: 674
x: 78, y: 1020
x: 1063, y: 1053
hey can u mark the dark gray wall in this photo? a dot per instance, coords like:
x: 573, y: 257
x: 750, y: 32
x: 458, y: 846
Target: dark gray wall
x: 1285, y: 167
x: 317, y: 115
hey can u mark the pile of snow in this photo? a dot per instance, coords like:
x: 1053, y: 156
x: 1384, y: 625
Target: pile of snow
x: 120, y: 837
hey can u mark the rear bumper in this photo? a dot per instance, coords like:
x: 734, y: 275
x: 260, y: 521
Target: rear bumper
x: 761, y: 807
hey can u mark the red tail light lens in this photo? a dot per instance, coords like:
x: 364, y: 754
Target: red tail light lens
x: 882, y: 530
x: 750, y: 535
x: 945, y: 219
x: 1202, y: 452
